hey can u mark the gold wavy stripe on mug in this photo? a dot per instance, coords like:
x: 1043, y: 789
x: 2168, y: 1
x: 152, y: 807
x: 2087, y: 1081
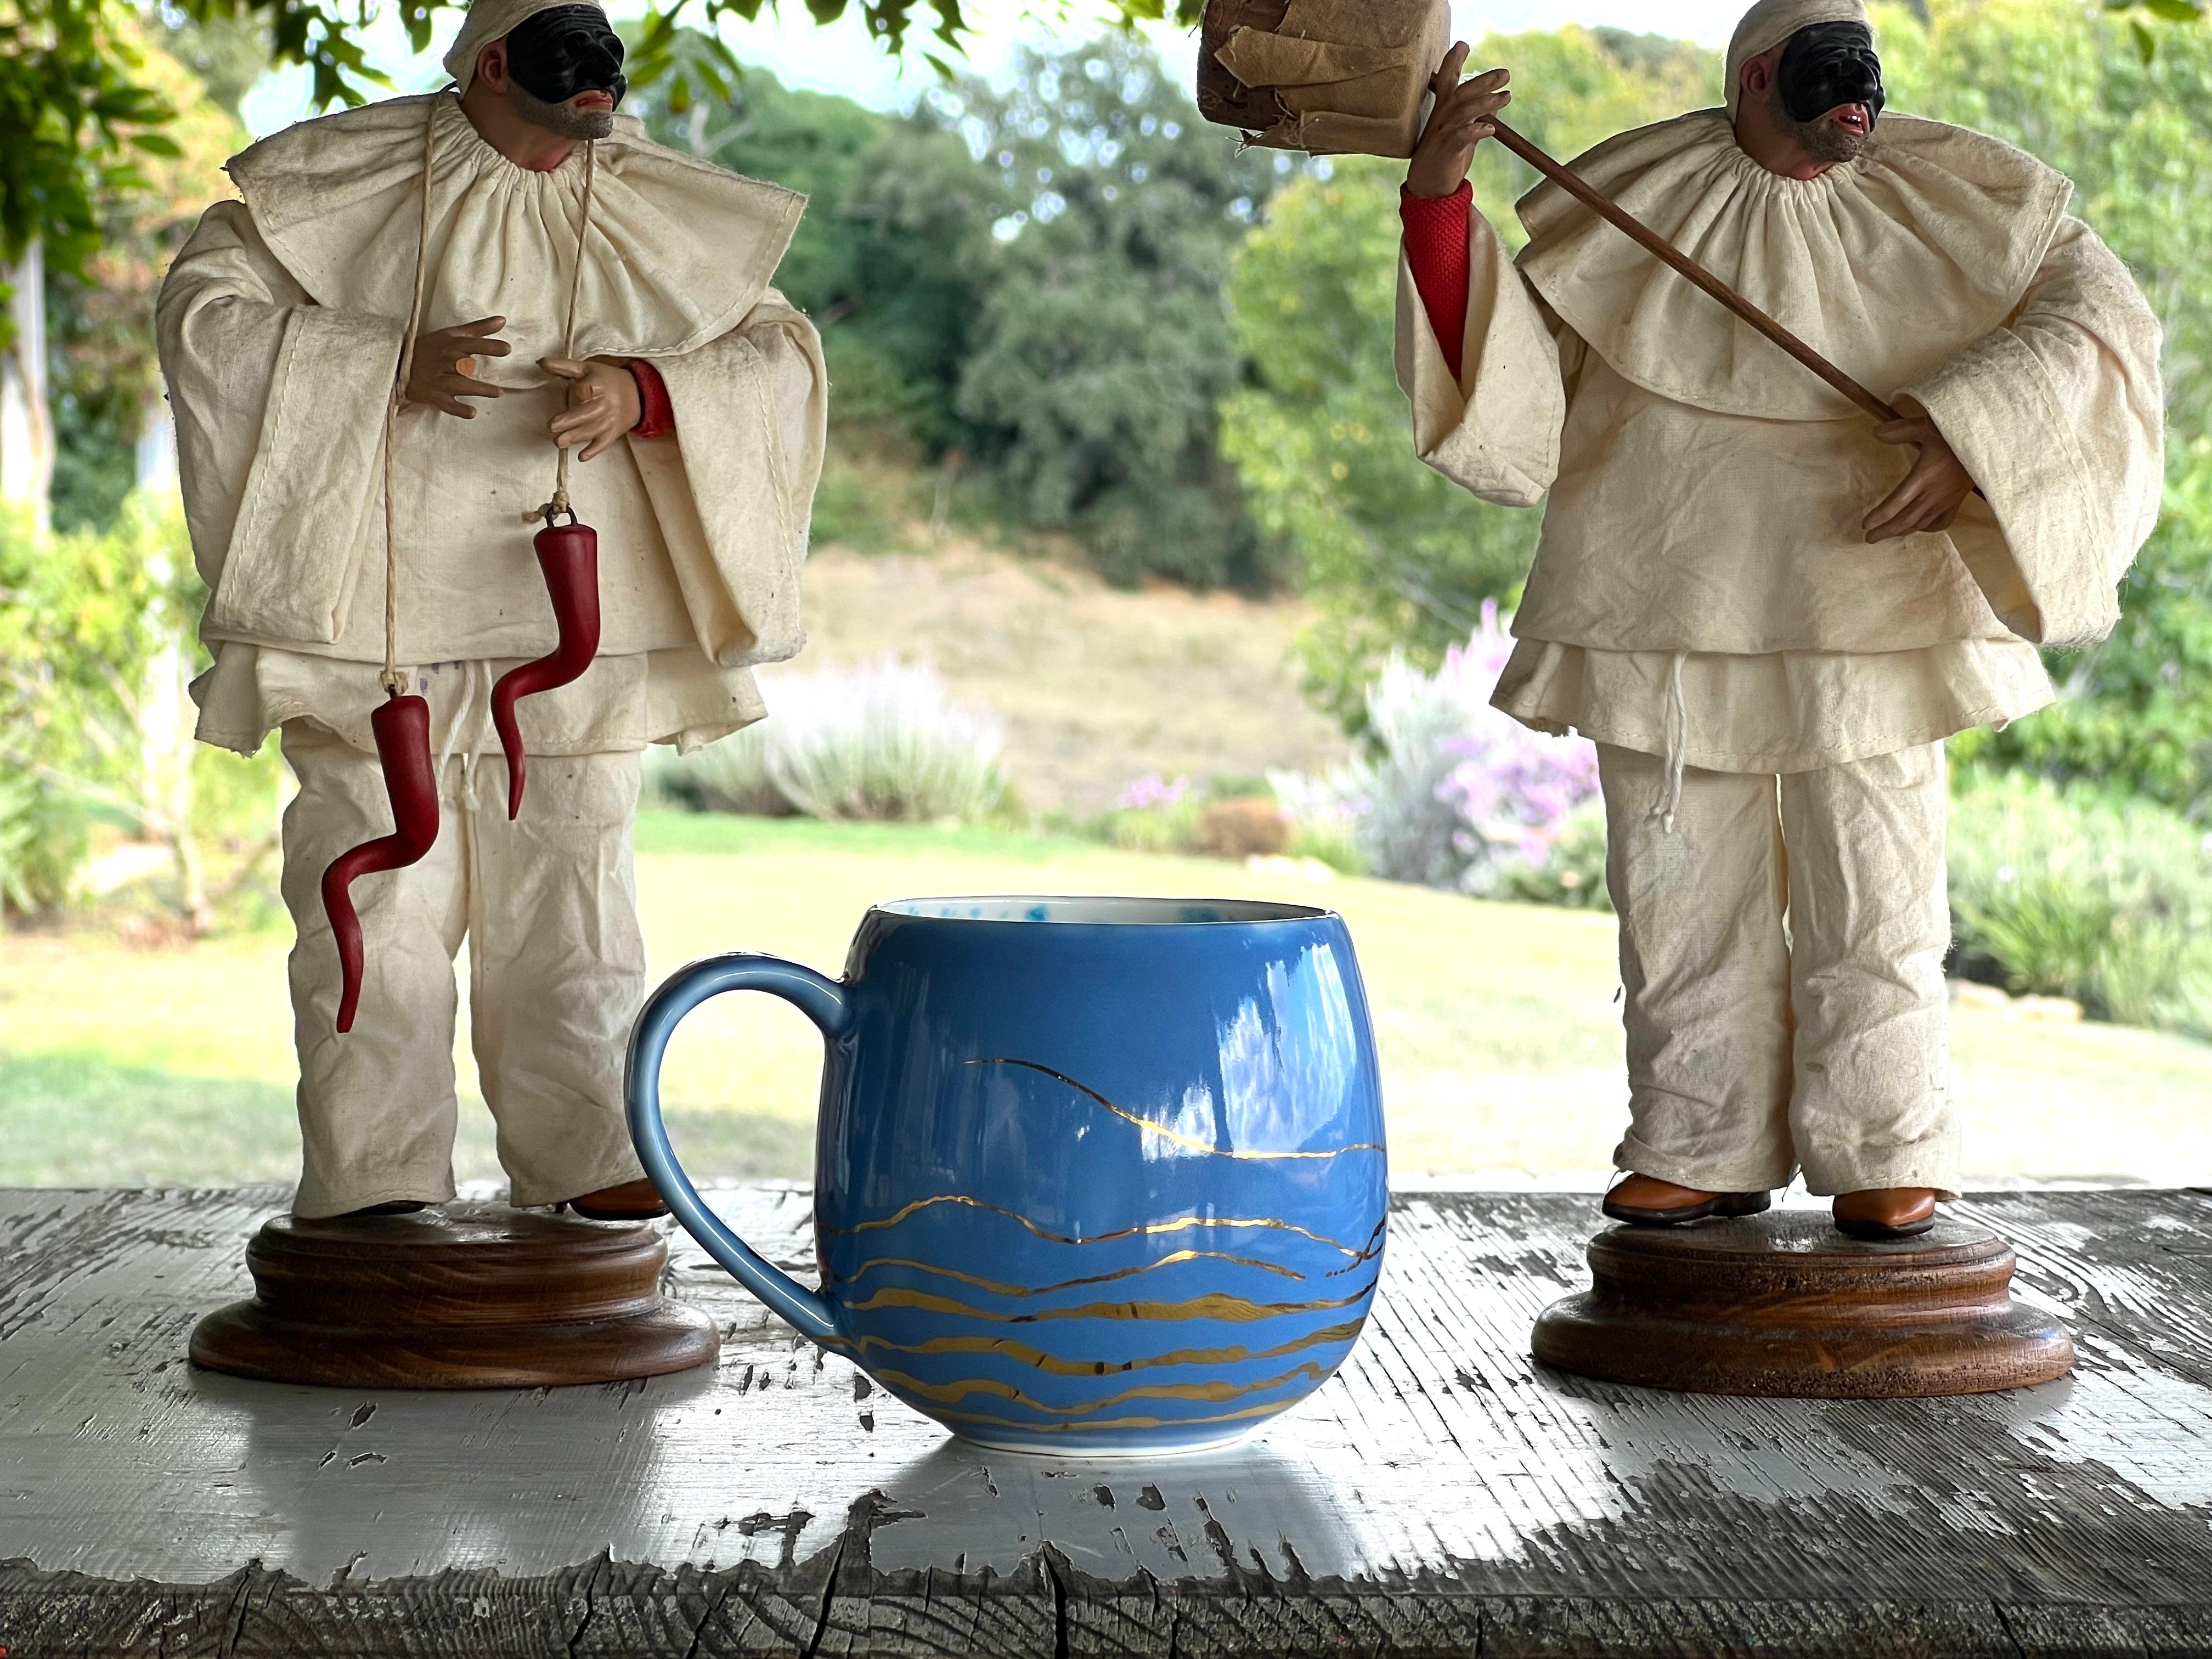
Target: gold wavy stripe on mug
x: 1180, y: 1224
x: 1223, y: 1309
x: 1038, y: 1359
x: 1375, y: 1242
x: 998, y: 1288
x: 1271, y: 1409
x: 1212, y: 1393
x: 1162, y: 1129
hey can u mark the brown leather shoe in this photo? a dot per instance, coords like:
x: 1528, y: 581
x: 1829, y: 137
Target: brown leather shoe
x: 1880, y: 1212
x: 631, y: 1200
x: 1645, y: 1201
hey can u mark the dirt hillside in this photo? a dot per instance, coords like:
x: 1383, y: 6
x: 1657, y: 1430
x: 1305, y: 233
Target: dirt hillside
x: 1096, y: 686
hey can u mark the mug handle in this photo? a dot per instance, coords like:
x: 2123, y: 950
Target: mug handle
x: 823, y: 1000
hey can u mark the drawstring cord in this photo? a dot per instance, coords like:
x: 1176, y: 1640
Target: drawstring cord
x: 559, y: 504
x: 394, y: 684
x: 1669, y: 802
x: 471, y: 701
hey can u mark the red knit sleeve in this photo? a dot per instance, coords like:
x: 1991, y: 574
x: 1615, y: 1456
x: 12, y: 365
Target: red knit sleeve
x: 1436, y: 247
x: 659, y: 419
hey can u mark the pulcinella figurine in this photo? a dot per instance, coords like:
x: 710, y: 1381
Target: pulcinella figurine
x: 1768, y: 611
x: 417, y: 311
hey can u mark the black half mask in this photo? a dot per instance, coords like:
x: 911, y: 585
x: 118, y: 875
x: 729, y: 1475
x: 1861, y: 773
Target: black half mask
x: 1827, y: 66
x: 555, y: 54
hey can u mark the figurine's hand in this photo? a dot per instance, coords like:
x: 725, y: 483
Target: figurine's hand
x: 602, y: 404
x: 445, y: 366
x: 1932, y: 493
x: 1460, y: 121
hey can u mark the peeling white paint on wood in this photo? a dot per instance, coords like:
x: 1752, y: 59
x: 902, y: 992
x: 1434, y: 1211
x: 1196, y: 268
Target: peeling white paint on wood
x: 1440, y: 1460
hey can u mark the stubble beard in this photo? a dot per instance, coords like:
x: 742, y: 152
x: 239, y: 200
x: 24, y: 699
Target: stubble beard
x: 562, y: 118
x: 1818, y: 139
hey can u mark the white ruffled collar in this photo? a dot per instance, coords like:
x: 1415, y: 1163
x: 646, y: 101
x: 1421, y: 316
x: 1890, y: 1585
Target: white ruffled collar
x: 1887, y: 264
x: 679, y: 252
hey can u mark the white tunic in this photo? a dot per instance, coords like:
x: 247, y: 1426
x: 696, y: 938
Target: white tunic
x: 1705, y: 492
x: 281, y: 327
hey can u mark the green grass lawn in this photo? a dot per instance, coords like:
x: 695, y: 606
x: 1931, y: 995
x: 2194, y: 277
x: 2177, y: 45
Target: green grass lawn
x: 1499, y: 1036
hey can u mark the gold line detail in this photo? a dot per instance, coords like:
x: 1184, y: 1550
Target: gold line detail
x: 998, y: 1289
x: 1213, y: 1393
x: 1038, y: 1359
x: 1180, y: 1224
x: 1161, y: 1129
x: 1224, y: 1310
x: 1375, y: 1242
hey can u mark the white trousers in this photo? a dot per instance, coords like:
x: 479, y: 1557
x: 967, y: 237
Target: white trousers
x: 1781, y: 963
x: 548, y: 905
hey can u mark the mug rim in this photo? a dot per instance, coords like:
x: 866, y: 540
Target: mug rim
x: 1288, y: 914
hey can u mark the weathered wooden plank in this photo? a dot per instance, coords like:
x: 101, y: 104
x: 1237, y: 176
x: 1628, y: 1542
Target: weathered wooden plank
x: 1578, y: 1627
x: 2066, y: 1630
x: 67, y: 1614
x: 454, y: 1615
x: 775, y: 1507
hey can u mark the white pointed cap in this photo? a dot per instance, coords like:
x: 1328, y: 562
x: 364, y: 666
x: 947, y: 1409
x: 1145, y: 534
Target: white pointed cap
x: 1763, y: 27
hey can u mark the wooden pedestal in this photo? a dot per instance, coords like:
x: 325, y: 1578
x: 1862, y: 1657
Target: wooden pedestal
x: 1782, y: 1305
x: 468, y: 1295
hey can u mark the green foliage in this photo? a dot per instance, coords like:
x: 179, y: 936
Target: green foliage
x: 102, y: 372
x: 2070, y: 86
x: 895, y: 252
x: 1026, y: 284
x: 2074, y: 892
x: 1102, y: 348
x: 74, y: 114
x: 81, y: 619
x: 1393, y: 555
x: 1573, y: 870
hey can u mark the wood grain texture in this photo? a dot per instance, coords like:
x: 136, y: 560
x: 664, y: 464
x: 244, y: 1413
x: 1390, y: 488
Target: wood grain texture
x: 469, y: 1295
x: 1442, y: 1495
x: 1783, y: 1304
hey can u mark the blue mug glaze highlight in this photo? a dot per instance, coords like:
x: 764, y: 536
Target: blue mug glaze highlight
x: 1092, y: 1175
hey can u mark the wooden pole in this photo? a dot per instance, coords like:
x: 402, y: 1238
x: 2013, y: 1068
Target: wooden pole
x: 1665, y: 251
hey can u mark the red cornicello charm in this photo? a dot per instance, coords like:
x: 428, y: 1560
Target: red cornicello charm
x: 568, y: 554
x: 403, y: 748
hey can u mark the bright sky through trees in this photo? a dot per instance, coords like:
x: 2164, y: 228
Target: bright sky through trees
x: 840, y: 58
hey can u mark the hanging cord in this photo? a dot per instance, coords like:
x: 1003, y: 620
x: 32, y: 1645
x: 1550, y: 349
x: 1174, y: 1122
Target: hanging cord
x: 393, y: 683
x: 559, y: 504
x: 1678, y: 742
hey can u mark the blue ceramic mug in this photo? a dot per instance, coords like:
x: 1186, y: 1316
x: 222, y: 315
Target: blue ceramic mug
x: 1092, y: 1175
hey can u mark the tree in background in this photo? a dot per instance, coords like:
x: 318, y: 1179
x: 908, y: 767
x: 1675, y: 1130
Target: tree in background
x: 1394, y: 558
x: 893, y: 256
x: 74, y: 113
x: 2129, y: 127
x: 1102, y: 347
x: 103, y: 375
x: 1029, y: 280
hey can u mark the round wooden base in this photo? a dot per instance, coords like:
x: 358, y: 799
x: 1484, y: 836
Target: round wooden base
x: 1783, y: 1305
x: 468, y: 1295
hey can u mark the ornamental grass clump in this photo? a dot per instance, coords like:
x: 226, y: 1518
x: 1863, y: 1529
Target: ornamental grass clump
x: 882, y: 741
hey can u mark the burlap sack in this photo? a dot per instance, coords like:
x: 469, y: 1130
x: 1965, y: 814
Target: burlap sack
x: 1330, y: 77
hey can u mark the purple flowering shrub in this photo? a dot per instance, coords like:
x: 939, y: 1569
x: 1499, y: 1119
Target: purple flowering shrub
x: 1451, y: 793
x: 1512, y: 788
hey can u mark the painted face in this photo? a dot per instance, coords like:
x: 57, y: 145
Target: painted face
x: 566, y: 49
x: 1829, y: 66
